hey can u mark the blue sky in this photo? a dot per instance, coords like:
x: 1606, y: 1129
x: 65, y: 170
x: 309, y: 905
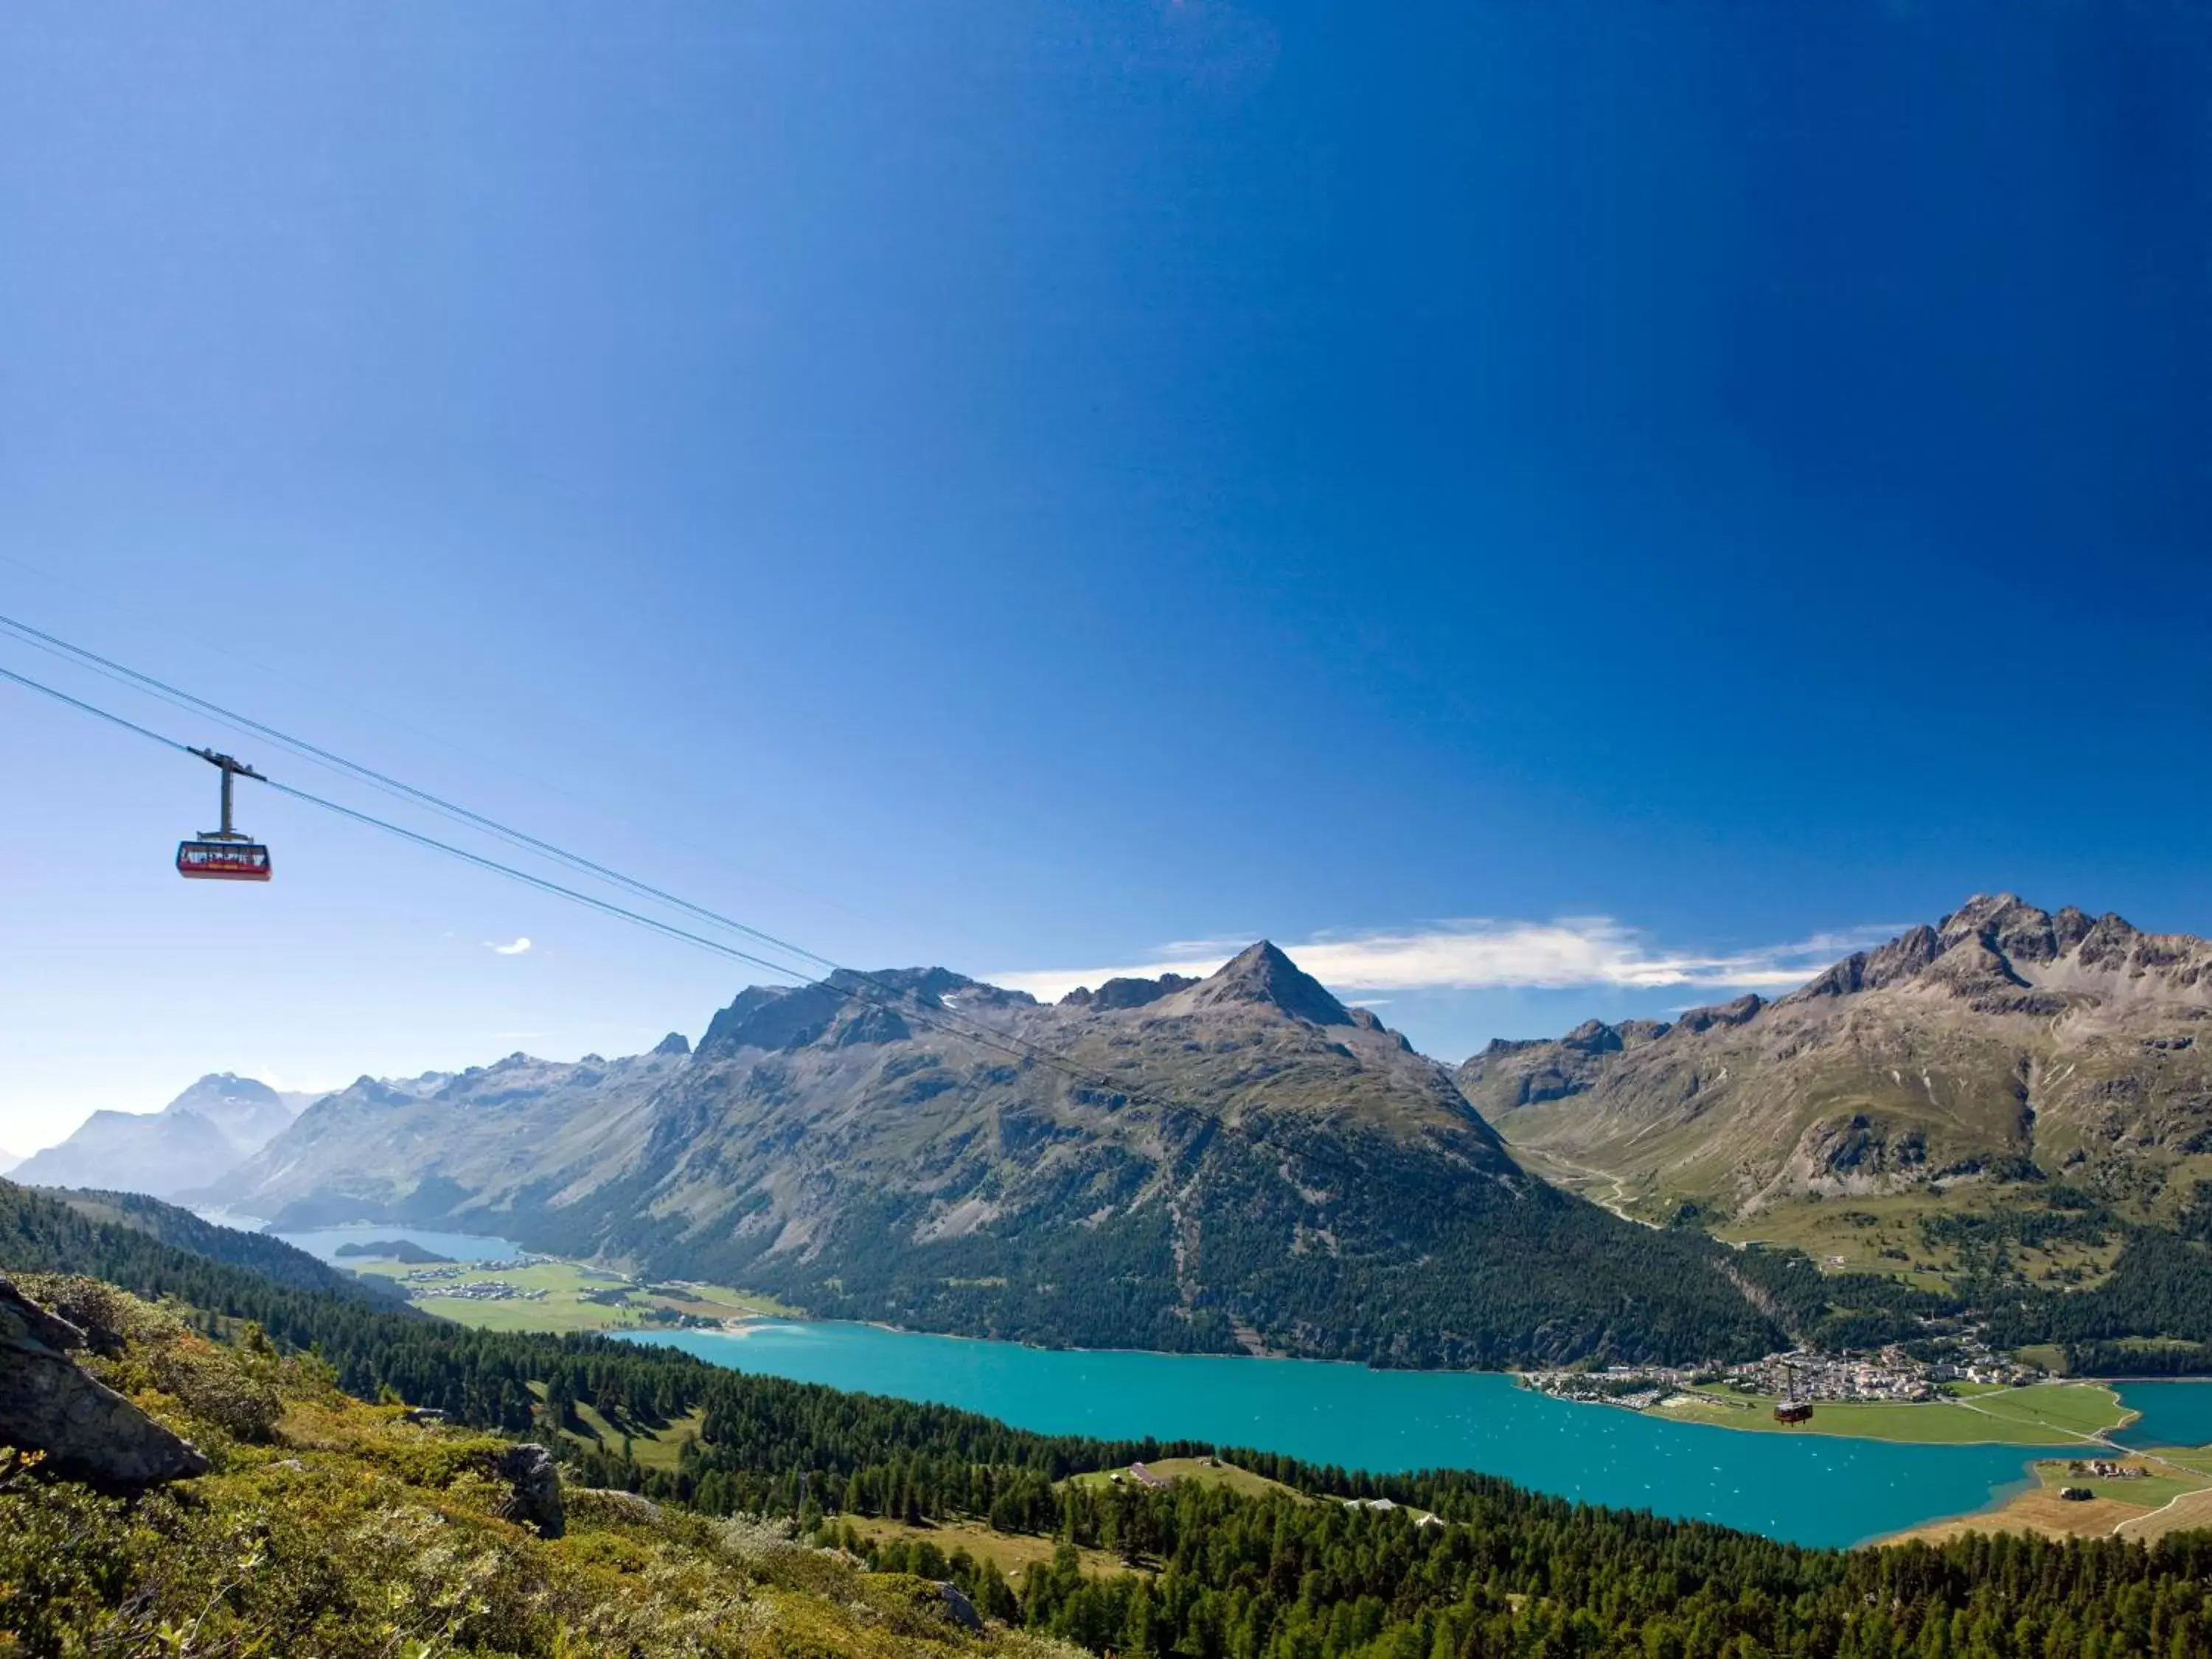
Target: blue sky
x: 1023, y: 485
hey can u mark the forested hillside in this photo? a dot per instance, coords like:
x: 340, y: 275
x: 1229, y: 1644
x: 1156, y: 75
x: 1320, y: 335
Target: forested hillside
x: 258, y: 1253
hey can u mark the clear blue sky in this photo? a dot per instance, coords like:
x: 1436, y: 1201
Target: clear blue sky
x: 1021, y: 485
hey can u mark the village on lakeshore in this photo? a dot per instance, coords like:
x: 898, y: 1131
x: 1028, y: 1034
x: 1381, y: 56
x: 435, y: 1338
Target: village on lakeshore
x: 454, y: 1281
x: 1791, y: 1385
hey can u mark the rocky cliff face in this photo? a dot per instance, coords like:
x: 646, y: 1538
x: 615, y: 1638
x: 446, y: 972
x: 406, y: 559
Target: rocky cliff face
x: 2002, y: 1035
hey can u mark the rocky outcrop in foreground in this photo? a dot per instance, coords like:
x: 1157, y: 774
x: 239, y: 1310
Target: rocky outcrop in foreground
x: 87, y: 1432
x: 534, y: 1497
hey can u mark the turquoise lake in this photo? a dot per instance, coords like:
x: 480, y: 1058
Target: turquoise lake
x: 2173, y: 1414
x: 1808, y: 1489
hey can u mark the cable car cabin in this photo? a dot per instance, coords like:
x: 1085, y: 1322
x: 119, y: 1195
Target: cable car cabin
x: 227, y: 853
x: 223, y: 860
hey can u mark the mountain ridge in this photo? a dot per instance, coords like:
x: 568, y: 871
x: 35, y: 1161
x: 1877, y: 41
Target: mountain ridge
x: 2000, y: 1032
x: 1240, y: 1161
x: 214, y: 1123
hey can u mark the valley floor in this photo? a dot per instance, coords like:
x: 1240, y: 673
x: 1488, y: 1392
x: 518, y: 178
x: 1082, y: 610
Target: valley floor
x: 560, y: 1296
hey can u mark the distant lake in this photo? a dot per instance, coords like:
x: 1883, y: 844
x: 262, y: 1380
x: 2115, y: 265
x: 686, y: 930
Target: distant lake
x: 324, y: 1242
x: 1808, y: 1489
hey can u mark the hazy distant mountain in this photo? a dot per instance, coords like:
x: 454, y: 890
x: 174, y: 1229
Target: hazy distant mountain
x: 423, y: 1149
x: 8, y: 1161
x: 1168, y: 1163
x: 2004, y: 1040
x: 220, y: 1120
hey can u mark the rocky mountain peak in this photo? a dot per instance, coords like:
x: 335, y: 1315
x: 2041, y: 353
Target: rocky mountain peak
x: 220, y: 1120
x: 247, y: 1110
x: 2009, y: 927
x: 1734, y: 1013
x: 2001, y: 1032
x: 1906, y: 955
x: 1117, y: 993
x: 1262, y: 974
x: 225, y: 1085
x: 2005, y: 955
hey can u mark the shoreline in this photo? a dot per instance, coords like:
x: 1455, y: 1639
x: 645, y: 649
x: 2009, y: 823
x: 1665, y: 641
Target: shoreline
x: 2037, y: 1506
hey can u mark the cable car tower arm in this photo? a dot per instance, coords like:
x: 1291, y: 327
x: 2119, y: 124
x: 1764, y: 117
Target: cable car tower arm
x: 230, y: 768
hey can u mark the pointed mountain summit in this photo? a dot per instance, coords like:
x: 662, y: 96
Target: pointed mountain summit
x: 248, y: 1111
x: 1262, y: 974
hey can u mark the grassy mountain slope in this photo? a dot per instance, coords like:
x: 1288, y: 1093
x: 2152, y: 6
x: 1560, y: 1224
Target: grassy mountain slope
x: 1191, y: 1165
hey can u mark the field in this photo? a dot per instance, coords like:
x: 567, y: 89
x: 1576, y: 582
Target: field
x: 653, y: 1448
x: 2187, y: 1513
x: 1882, y: 1235
x: 576, y: 1298
x: 2081, y: 1410
x: 2041, y: 1510
x: 1012, y: 1553
x: 2044, y: 1415
x: 1200, y: 1471
x: 2154, y: 1489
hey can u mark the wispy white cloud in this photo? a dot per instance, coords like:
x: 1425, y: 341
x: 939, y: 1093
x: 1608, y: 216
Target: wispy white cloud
x: 1482, y: 954
x: 514, y: 949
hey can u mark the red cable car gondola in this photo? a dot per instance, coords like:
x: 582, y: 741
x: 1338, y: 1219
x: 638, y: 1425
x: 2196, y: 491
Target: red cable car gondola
x: 224, y: 854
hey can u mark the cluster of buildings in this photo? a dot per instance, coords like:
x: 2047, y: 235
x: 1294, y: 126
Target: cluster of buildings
x: 1890, y: 1376
x: 459, y: 1269
x: 479, y: 1290
x: 1801, y: 1377
x: 2105, y: 1469
x: 1384, y: 1506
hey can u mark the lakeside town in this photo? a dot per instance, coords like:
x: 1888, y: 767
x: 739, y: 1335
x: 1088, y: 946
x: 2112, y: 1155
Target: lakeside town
x: 454, y: 1281
x: 1795, y: 1379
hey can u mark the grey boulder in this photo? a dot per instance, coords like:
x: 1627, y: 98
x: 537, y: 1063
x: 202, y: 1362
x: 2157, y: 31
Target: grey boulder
x: 87, y: 1432
x: 534, y: 1497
